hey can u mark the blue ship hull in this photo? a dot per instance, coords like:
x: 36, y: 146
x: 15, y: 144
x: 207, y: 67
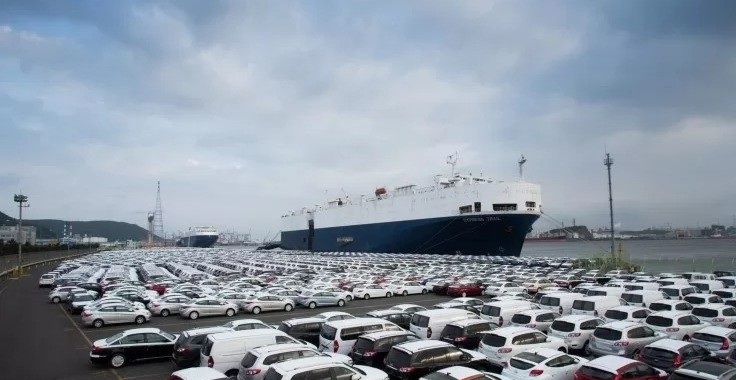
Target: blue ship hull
x: 200, y: 241
x: 498, y: 234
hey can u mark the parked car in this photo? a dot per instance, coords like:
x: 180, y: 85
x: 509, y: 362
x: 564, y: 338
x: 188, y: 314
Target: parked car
x: 716, y: 314
x: 190, y: 342
x: 704, y: 370
x: 246, y: 324
x: 413, y: 360
x: 78, y: 301
x: 676, y: 324
x: 167, y: 305
x: 721, y: 341
x: 321, y: 368
x: 408, y: 307
x: 465, y: 289
x: 370, y: 349
x: 537, y: 319
x: 542, y: 364
x: 207, y: 307
x: 400, y: 318
x: 320, y: 298
x: 268, y: 303
x: 371, y: 291
x: 501, y: 344
x: 622, y: 338
x: 575, y: 331
x: 114, y: 314
x: 626, y: 313
x: 669, y: 354
x: 670, y: 305
x: 257, y: 361
x: 466, y: 333
x: 611, y: 367
x: 198, y: 373
x: 131, y: 345
x: 306, y: 329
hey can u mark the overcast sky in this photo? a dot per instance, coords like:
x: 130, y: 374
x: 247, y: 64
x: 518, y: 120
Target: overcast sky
x: 247, y: 109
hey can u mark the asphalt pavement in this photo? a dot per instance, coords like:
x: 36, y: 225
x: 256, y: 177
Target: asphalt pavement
x: 42, y: 341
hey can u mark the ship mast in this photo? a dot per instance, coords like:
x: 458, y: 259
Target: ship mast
x: 521, y: 162
x: 452, y: 161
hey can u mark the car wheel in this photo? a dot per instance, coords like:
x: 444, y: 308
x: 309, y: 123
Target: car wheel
x: 424, y: 291
x: 586, y: 349
x: 340, y: 303
x: 686, y: 338
x: 405, y: 293
x: 98, y: 323
x: 256, y: 310
x: 230, y: 312
x: 117, y: 361
x: 139, y: 320
x: 56, y: 300
x: 165, y: 313
x: 193, y: 315
x: 367, y: 296
x: 562, y: 349
x: 312, y: 305
x: 288, y: 307
x: 232, y: 374
x: 388, y: 294
x: 349, y: 298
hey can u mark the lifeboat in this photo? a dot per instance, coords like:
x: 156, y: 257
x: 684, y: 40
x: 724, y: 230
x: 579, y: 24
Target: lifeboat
x: 380, y: 191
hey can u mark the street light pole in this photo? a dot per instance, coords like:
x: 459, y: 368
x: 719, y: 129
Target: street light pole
x: 20, y: 199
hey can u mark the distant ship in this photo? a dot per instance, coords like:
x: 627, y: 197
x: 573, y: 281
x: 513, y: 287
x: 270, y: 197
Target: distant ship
x: 458, y: 214
x: 202, y: 237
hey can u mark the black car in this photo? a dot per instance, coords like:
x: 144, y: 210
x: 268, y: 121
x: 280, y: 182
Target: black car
x: 413, y: 360
x: 670, y: 357
x: 441, y: 288
x: 400, y: 318
x: 306, y: 329
x: 131, y: 345
x: 189, y: 344
x: 466, y: 333
x: 370, y: 349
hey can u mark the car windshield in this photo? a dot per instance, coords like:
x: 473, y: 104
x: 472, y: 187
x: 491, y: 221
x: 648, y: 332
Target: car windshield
x: 113, y: 338
x: 167, y: 335
x: 654, y: 306
x: 549, y: 301
x: 616, y: 314
x: 598, y: 374
x: 451, y: 331
x: 632, y: 298
x: 493, y: 311
x: 398, y: 359
x: 420, y: 320
x: 494, y: 340
x: 703, y: 312
x: 707, y: 337
x: 328, y: 332
x: 248, y: 360
x: 521, y: 319
x: 695, y: 300
x: 583, y: 305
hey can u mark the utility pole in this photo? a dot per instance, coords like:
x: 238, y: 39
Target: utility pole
x: 608, y: 162
x: 20, y: 199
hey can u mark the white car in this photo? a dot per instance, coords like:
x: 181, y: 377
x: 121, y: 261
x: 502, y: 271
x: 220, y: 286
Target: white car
x: 371, y: 291
x: 627, y: 313
x: 670, y: 305
x: 474, y: 302
x: 575, y: 330
x: 408, y: 308
x: 501, y: 344
x: 538, y: 319
x: 543, y: 364
x: 717, y: 314
x: 198, y: 373
x: 502, y: 288
x: 676, y: 324
x: 408, y: 287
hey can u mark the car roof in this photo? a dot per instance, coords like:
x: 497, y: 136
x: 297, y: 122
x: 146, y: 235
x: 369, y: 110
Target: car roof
x: 295, y: 321
x: 576, y: 318
x: 329, y: 314
x: 628, y: 308
x: 460, y: 372
x: 355, y: 322
x: 384, y: 334
x: 279, y: 347
x: 669, y: 302
x: 610, y: 362
x: 142, y: 330
x: 670, y: 344
x: 713, y: 306
x: 206, y: 330
x: 621, y: 325
x: 535, y: 311
x: 200, y: 373
x: 422, y: 345
x: 704, y: 367
x: 546, y: 352
x: 512, y: 330
x: 468, y: 322
x: 671, y: 313
x: 385, y: 312
x: 716, y: 330
x: 294, y: 364
x: 239, y: 322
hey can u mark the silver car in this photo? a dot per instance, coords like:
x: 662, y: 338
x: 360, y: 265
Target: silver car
x: 321, y: 298
x: 622, y: 338
x: 61, y: 294
x: 207, y: 307
x: 256, y: 305
x: 168, y: 305
x: 113, y: 314
x: 240, y: 299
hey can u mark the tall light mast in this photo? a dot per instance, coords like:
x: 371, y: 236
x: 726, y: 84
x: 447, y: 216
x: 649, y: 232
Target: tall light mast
x: 608, y: 162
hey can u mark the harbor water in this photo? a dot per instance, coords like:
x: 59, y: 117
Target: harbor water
x: 655, y: 256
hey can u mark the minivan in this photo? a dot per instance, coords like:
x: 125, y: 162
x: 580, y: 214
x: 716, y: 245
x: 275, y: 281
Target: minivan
x: 428, y: 324
x: 559, y: 302
x: 677, y: 292
x: 707, y: 286
x: 642, y: 297
x: 340, y: 336
x: 223, y: 351
x: 596, y: 305
x: 501, y: 312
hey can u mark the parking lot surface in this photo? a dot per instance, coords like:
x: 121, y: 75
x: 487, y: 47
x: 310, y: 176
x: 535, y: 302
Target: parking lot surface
x: 42, y: 341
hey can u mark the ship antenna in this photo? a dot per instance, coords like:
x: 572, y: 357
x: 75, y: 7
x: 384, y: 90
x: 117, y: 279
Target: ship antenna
x: 522, y: 161
x: 452, y: 161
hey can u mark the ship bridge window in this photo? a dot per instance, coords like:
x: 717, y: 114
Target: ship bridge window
x: 504, y: 207
x: 477, y: 206
x: 531, y: 204
x: 466, y: 209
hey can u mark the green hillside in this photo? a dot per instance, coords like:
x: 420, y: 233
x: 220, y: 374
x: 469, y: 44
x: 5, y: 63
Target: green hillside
x: 54, y: 229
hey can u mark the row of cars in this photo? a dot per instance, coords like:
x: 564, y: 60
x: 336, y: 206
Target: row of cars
x: 485, y: 333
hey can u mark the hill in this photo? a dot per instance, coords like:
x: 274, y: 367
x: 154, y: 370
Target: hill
x: 54, y: 228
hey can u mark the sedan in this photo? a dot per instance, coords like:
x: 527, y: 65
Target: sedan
x: 167, y: 305
x: 208, y: 307
x: 464, y: 290
x: 406, y: 288
x: 503, y: 288
x: 543, y: 364
x: 314, y: 299
x: 268, y: 303
x: 112, y: 314
x: 371, y: 290
x: 131, y: 345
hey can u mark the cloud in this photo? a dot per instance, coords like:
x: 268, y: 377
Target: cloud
x: 263, y: 106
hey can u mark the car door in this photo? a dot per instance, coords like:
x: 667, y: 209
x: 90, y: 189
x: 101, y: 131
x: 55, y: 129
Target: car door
x: 134, y: 346
x: 121, y: 315
x: 158, y: 346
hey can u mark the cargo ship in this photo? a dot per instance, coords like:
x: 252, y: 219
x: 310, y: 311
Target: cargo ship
x: 457, y: 214
x: 201, y: 237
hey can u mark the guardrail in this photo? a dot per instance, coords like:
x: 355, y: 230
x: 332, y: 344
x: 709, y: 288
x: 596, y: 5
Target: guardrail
x: 9, y: 267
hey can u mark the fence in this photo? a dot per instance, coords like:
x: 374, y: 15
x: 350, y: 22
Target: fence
x: 10, y: 262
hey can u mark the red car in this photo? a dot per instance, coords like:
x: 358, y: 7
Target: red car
x: 463, y: 290
x: 612, y: 367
